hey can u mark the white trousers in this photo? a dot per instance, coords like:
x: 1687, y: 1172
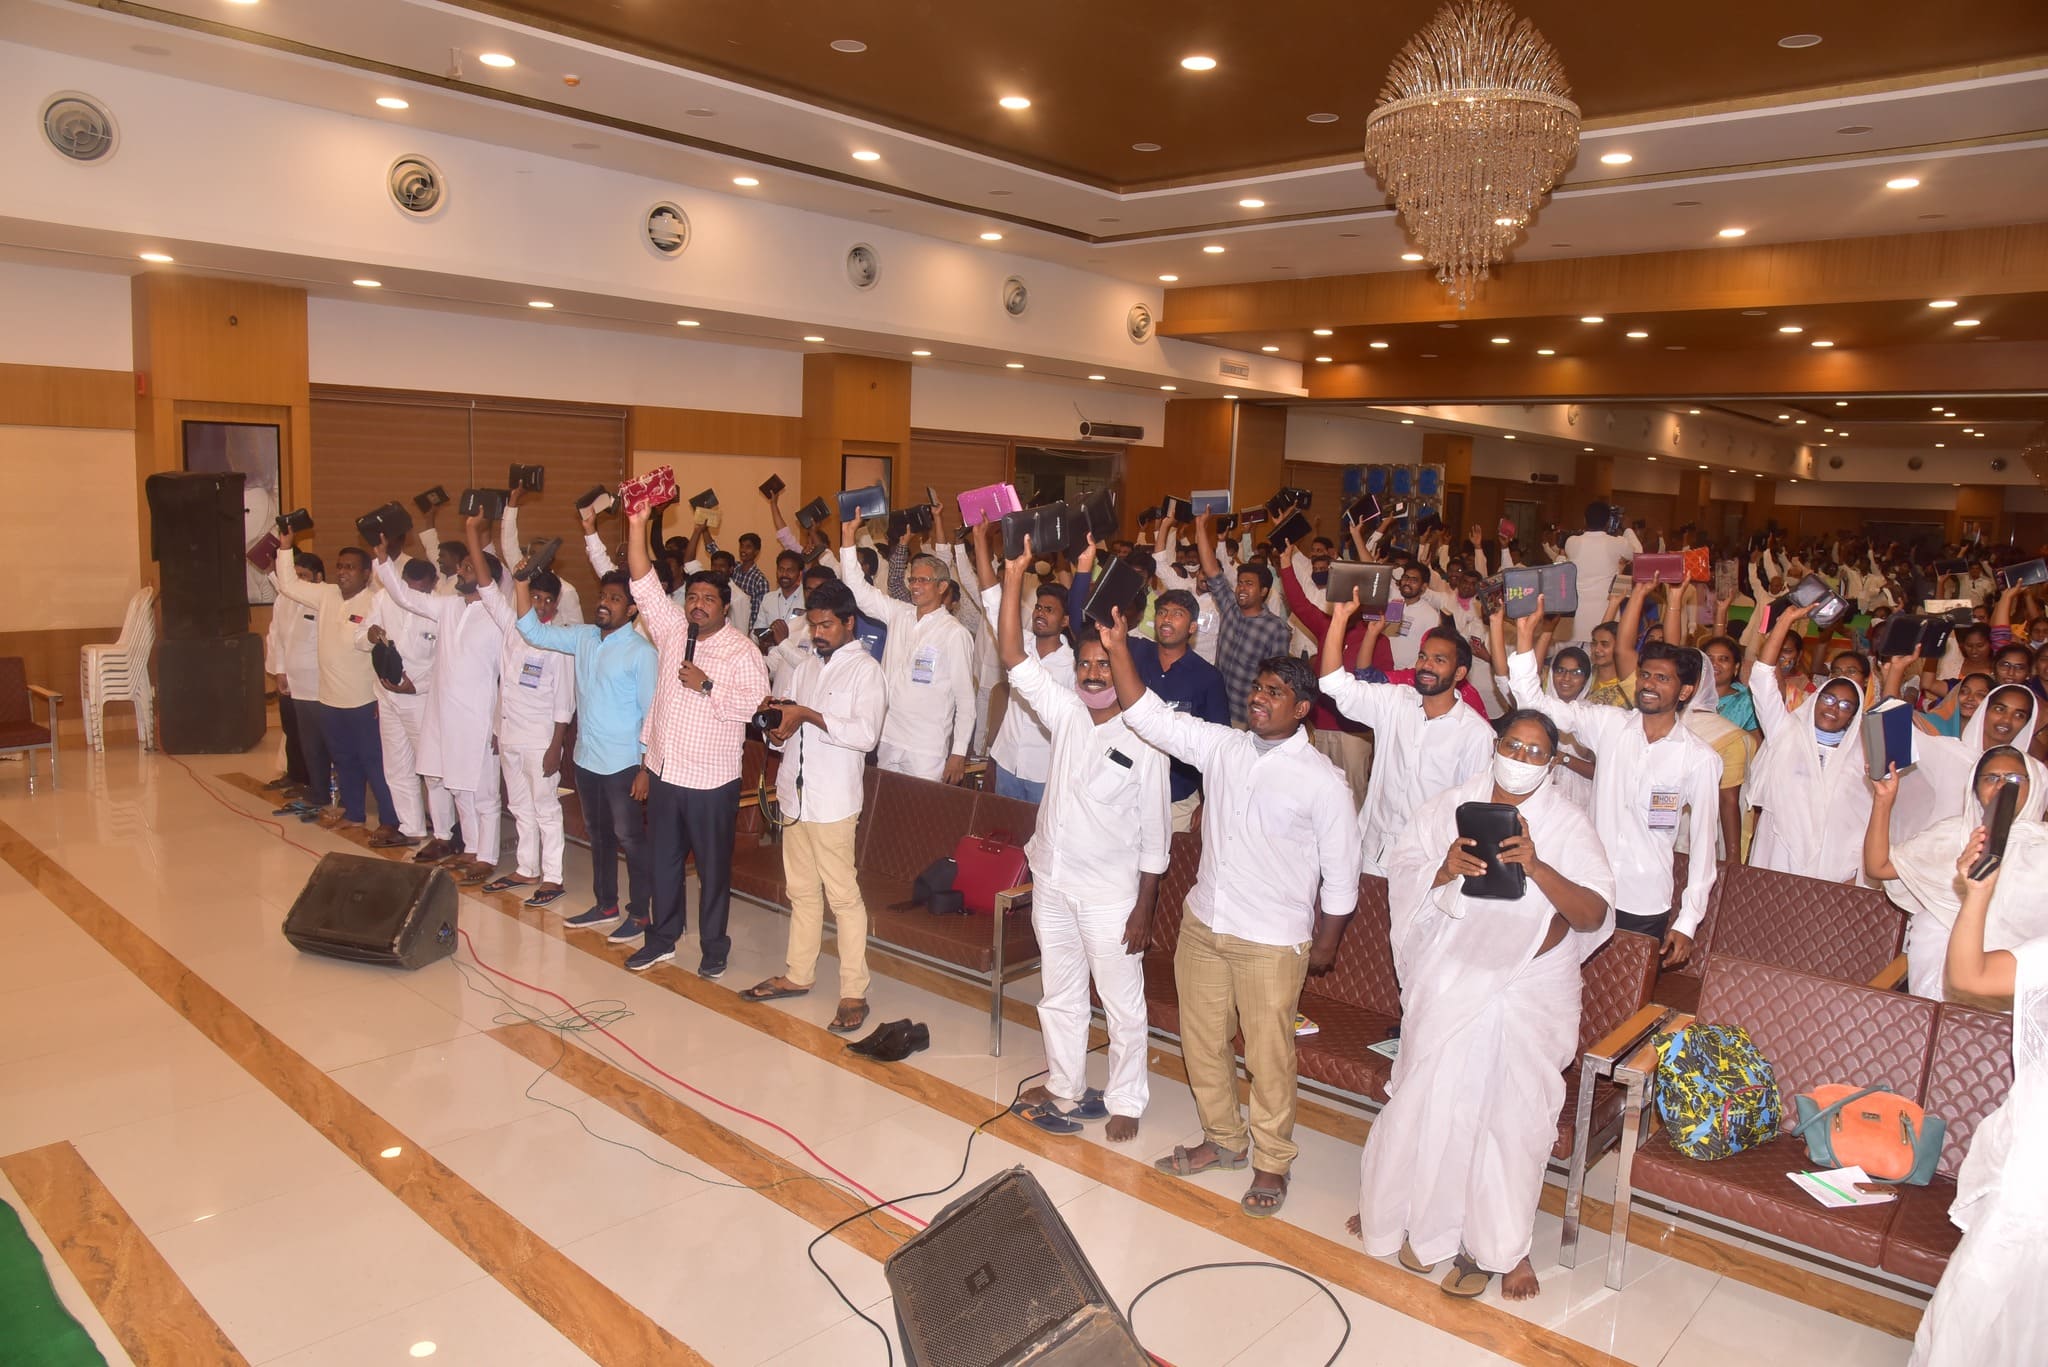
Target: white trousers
x: 536, y: 803
x: 1076, y: 942
x: 915, y: 763
x: 479, y: 811
x: 398, y: 729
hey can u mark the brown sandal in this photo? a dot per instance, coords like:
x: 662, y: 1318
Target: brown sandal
x: 767, y: 991
x: 1466, y: 1280
x: 1181, y: 1162
x: 853, y: 1014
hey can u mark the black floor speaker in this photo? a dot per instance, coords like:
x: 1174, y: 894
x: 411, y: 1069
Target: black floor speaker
x: 375, y: 911
x: 997, y: 1280
x: 196, y: 538
x: 209, y: 694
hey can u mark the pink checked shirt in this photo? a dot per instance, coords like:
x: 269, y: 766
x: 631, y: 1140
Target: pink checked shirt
x: 693, y: 740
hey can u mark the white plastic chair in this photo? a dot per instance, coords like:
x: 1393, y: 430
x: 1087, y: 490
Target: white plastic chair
x: 120, y: 673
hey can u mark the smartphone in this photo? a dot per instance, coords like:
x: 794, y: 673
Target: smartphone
x: 1998, y: 826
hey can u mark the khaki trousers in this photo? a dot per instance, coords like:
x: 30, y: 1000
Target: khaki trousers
x: 1227, y: 985
x: 1184, y: 812
x: 1351, y: 752
x: 819, y: 856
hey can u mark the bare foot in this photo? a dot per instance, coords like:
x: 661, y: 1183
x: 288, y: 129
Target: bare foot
x: 1122, y: 1129
x: 1520, y: 1284
x: 1351, y: 1228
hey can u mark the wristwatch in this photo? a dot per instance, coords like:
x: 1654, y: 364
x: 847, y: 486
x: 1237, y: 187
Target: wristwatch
x: 705, y: 687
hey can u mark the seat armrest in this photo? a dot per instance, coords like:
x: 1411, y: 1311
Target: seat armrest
x: 1013, y: 899
x: 1625, y: 1037
x: 1642, y: 1060
x: 749, y: 800
x: 1893, y: 976
x: 45, y: 693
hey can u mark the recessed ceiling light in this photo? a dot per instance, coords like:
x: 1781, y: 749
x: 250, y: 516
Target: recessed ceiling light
x: 1940, y: 445
x: 1198, y: 63
x: 392, y: 102
x: 1702, y: 467
x: 1325, y: 360
x: 1732, y: 232
x: 1903, y: 183
x: 368, y: 284
x: 1171, y: 388
x: 866, y: 155
x: 1322, y: 118
x: 1693, y: 411
x: 1965, y: 323
x: 1378, y: 346
x: 1652, y: 458
x: 1098, y: 377
x: 920, y: 352
x: 848, y: 45
x: 1799, y: 422
x: 1784, y: 417
x: 1502, y: 341
x: 1791, y: 329
x: 991, y: 237
x: 1853, y: 130
x: 1269, y: 348
x: 496, y: 59
x: 1013, y: 365
x: 538, y: 304
x: 1935, y: 409
x: 814, y: 339
x: 1407, y: 422
x: 1014, y: 102
x: 1585, y: 448
x: 1820, y: 342
x: 1251, y: 204
x: 1799, y: 40
x: 1592, y: 318
x: 746, y: 182
x: 1144, y: 147
x: 1411, y: 256
x: 1638, y: 336
x: 688, y: 323
x: 1841, y: 403
x: 1616, y: 159
x: 1214, y: 249
x: 1168, y: 279
x: 1507, y: 436
x: 1546, y: 351
x: 1324, y: 332
x: 1230, y: 396
x: 1941, y: 303
x: 157, y: 258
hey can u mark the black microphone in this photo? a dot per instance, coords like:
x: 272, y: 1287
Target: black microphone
x: 690, y: 645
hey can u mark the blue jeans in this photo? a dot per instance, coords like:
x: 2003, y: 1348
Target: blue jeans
x: 616, y: 824
x: 358, y: 751
x: 1009, y: 785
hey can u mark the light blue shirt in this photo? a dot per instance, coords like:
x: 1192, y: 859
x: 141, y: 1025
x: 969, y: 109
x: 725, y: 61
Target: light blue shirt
x: 614, y: 688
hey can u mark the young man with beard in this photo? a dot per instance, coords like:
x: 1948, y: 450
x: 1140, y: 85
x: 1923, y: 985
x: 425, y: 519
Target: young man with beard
x: 1424, y: 737
x: 708, y: 685
x: 568, y: 604
x: 1418, y: 617
x: 347, y: 706
x: 1490, y: 1000
x: 1279, y: 826
x: 455, y: 736
x: 1096, y: 857
x: 1652, y: 769
x: 831, y: 719
x: 928, y: 663
x: 1247, y: 633
x: 615, y: 686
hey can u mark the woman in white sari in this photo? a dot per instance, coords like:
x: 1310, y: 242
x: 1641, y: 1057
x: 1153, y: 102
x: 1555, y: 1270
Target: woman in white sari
x: 1938, y: 786
x: 1808, y: 781
x: 1919, y: 875
x: 1989, y: 1308
x: 1489, y: 1020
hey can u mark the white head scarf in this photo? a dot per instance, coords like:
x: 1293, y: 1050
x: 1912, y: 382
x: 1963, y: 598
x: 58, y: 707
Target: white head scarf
x: 1816, y: 798
x: 1926, y: 866
x: 1941, y: 785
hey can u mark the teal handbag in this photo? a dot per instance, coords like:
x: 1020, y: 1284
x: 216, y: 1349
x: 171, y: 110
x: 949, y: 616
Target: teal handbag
x: 1872, y: 1128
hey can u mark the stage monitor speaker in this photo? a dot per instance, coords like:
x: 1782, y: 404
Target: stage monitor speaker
x: 196, y: 537
x: 998, y: 1281
x: 375, y: 911
x: 209, y: 694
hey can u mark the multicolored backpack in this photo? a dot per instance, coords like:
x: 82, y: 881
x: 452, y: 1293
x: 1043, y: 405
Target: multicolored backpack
x: 1715, y: 1092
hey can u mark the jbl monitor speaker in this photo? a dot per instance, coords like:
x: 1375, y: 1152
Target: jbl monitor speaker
x: 375, y: 911
x: 998, y: 1281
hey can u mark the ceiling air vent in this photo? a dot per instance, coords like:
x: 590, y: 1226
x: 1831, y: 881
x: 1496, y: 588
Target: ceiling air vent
x: 416, y: 186
x: 1138, y: 324
x: 1016, y: 296
x: 1234, y: 370
x: 863, y: 266
x: 667, y: 229
x: 79, y: 127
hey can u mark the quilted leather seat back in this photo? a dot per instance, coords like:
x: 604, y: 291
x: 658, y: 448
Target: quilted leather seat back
x: 1184, y: 857
x: 1835, y: 930
x: 1969, y: 1076
x: 1364, y: 972
x: 1703, y: 942
x: 993, y: 813
x: 14, y: 690
x: 916, y: 821
x: 1817, y: 1030
x: 870, y: 784
x: 1614, y: 983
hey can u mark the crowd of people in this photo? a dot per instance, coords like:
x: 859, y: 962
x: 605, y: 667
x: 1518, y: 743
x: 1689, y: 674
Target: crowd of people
x: 1308, y: 740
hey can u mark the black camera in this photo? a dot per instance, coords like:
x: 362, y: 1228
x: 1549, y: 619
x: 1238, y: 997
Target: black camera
x: 770, y: 718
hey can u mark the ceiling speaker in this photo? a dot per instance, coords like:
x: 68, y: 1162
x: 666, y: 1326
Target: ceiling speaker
x: 1834, y: 462
x: 1016, y: 297
x: 79, y: 127
x: 667, y: 230
x: 1138, y: 324
x: 416, y: 186
x: 863, y: 266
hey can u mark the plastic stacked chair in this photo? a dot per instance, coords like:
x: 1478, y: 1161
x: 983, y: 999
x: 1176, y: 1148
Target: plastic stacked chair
x: 120, y: 673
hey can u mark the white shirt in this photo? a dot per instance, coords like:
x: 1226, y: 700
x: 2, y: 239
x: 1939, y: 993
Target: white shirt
x: 928, y: 663
x: 1274, y: 827
x: 536, y: 687
x: 346, y: 679
x: 1414, y: 756
x: 455, y: 734
x: 414, y: 638
x: 1598, y: 556
x: 977, y: 618
x: 1105, y: 800
x: 1023, y: 743
x: 1632, y: 771
x: 778, y: 606
x: 820, y: 778
x: 784, y: 660
x: 1404, y: 638
x: 292, y: 647
x: 511, y: 550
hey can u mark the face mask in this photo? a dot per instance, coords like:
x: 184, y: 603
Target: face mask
x: 1515, y: 776
x: 1322, y: 578
x: 1829, y: 739
x: 1098, y: 699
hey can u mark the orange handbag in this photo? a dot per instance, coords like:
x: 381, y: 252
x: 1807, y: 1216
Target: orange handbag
x: 1883, y: 1133
x: 1699, y: 564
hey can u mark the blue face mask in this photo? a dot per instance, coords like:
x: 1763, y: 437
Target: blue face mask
x: 1829, y: 739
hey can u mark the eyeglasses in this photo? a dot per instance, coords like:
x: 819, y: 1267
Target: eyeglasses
x: 919, y: 579
x: 1529, y: 752
x: 1835, y: 704
x: 2001, y: 780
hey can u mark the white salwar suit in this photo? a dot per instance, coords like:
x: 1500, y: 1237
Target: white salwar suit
x: 1928, y: 888
x: 1816, y: 803
x: 1455, y: 1160
x: 1988, y: 1308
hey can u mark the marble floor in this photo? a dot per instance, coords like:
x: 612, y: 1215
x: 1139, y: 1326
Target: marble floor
x: 324, y: 1164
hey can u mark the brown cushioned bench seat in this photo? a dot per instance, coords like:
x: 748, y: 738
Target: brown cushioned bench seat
x: 1967, y: 1079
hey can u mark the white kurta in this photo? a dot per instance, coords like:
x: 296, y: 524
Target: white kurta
x: 1414, y: 756
x: 1939, y: 785
x: 1815, y: 801
x: 455, y: 736
x: 1927, y: 887
x: 1023, y: 744
x: 1456, y: 1158
x: 928, y: 664
x: 1599, y: 558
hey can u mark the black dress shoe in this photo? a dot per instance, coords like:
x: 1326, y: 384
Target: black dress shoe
x: 880, y: 1036
x: 905, y: 1038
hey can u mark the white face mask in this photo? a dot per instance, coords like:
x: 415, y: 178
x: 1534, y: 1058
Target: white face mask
x: 1515, y: 776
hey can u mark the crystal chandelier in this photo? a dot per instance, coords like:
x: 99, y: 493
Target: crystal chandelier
x: 1474, y: 125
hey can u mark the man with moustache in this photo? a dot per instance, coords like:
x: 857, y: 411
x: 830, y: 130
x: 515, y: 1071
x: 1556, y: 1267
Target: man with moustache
x: 1424, y: 737
x: 1247, y: 632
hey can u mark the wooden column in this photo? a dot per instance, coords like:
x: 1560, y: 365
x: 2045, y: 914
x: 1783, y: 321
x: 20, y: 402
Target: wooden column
x: 853, y: 406
x: 1979, y: 503
x: 1453, y: 451
x: 1695, y: 502
x: 1763, y: 503
x: 1260, y: 452
x: 1592, y: 477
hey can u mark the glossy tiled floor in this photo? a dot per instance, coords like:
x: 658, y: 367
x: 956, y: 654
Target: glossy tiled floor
x: 302, y: 1255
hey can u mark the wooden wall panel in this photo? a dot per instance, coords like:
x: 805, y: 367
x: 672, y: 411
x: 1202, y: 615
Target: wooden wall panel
x: 62, y: 396
x: 232, y: 341
x: 1325, y: 483
x: 703, y: 429
x: 952, y: 464
x: 51, y: 658
x: 367, y: 452
x: 857, y: 405
x: 579, y: 450
x: 1261, y: 450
